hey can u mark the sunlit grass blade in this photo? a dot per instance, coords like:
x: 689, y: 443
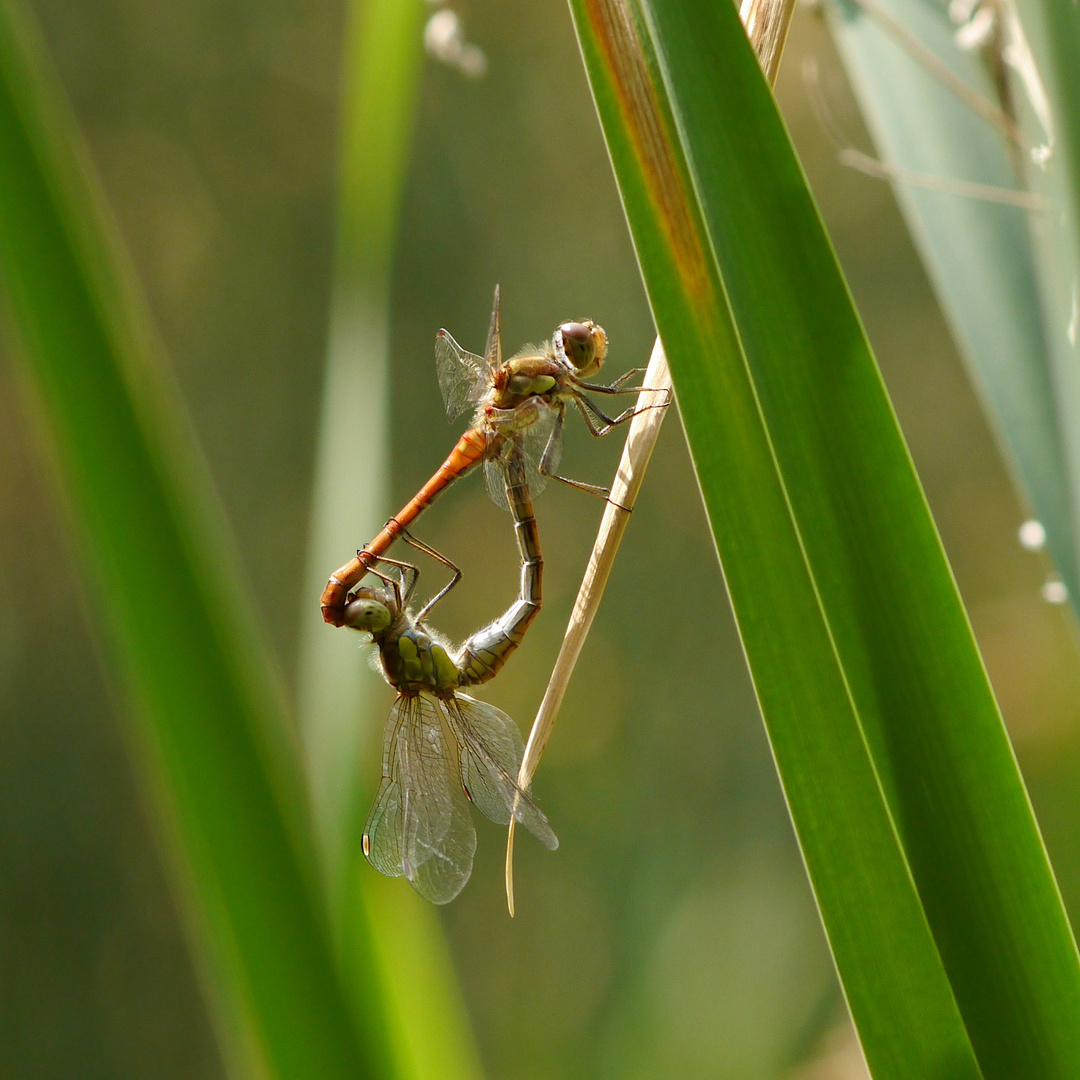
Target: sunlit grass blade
x: 944, y: 919
x: 383, y: 61
x: 339, y: 706
x: 978, y: 254
x: 208, y: 732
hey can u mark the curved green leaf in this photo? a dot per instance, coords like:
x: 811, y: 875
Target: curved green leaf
x: 943, y: 915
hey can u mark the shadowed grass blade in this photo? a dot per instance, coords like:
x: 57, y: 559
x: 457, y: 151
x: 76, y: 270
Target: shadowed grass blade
x: 208, y: 732
x: 339, y: 702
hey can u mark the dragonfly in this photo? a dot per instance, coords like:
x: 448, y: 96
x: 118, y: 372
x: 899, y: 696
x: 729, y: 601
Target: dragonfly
x: 519, y: 410
x: 442, y: 748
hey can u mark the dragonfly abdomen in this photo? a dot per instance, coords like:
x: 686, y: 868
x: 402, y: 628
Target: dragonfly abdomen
x: 470, y: 450
x: 484, y: 654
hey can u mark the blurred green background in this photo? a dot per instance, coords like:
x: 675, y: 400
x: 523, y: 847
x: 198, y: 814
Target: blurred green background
x: 673, y: 932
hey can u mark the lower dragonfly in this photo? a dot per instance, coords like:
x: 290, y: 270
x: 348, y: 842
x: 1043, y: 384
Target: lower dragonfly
x: 520, y: 406
x: 442, y: 747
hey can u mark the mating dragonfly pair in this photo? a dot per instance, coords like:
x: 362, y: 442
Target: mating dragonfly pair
x: 443, y: 748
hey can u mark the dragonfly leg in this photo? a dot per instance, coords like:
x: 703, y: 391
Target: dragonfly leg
x: 618, y: 386
x: 590, y: 489
x: 438, y: 557
x: 551, y: 450
x: 546, y: 467
x: 410, y: 575
x: 590, y: 409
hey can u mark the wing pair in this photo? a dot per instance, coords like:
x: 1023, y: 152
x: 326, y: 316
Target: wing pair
x: 436, y: 752
x: 534, y: 426
x: 465, y: 377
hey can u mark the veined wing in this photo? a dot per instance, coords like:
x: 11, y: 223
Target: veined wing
x: 542, y: 436
x: 491, y: 749
x: 493, y: 348
x: 419, y: 824
x: 462, y: 375
x: 465, y: 377
x: 535, y: 426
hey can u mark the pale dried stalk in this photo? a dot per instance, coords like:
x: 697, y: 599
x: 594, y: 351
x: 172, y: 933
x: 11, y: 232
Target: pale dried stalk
x: 766, y: 23
x: 640, y: 440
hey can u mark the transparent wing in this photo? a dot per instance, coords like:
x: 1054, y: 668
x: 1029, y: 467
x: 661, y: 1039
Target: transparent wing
x: 491, y: 751
x: 495, y: 482
x: 536, y: 430
x: 542, y: 436
x: 493, y: 348
x: 462, y: 376
x: 419, y: 825
x: 382, y: 831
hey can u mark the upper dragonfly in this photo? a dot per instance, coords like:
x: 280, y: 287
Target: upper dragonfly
x: 520, y: 405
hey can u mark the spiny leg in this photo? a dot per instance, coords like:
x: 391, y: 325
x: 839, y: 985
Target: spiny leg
x: 551, y: 449
x: 438, y: 557
x: 410, y: 575
x: 549, y: 456
x: 616, y: 387
x: 589, y: 409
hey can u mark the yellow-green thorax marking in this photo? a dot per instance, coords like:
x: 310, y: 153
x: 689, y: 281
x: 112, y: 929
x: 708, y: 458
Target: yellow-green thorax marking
x: 419, y: 663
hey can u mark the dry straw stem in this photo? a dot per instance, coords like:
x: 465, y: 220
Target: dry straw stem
x: 644, y: 429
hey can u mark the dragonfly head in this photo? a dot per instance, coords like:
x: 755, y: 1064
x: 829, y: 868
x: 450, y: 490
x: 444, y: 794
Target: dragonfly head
x: 584, y: 344
x: 366, y: 611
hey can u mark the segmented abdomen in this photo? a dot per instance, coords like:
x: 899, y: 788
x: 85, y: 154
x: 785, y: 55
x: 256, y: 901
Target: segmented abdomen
x: 483, y: 655
x: 470, y: 450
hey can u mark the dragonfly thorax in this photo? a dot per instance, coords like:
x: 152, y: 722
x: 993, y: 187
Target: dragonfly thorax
x: 413, y: 661
x: 532, y: 373
x: 523, y: 386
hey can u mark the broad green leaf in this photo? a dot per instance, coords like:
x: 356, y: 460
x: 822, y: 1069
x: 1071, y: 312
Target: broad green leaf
x: 944, y: 918
x: 208, y: 732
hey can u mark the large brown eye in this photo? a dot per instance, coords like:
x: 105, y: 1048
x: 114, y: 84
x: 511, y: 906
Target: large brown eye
x: 577, y: 343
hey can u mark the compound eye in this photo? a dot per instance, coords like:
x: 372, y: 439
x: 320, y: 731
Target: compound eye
x: 578, y: 343
x: 369, y: 615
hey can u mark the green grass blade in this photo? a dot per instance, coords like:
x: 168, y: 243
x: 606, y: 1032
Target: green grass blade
x: 342, y: 711
x: 901, y: 1003
x: 209, y: 733
x: 382, y: 67
x: 888, y: 740
x: 978, y: 254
